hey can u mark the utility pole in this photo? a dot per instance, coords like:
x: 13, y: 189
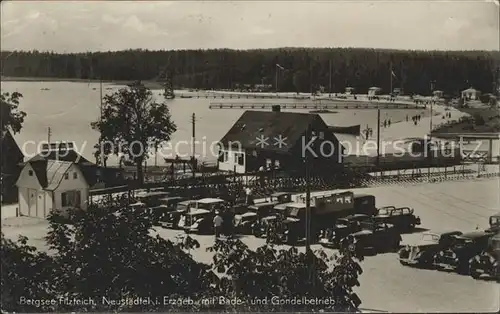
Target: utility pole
x: 378, y: 137
x: 193, y: 137
x: 308, y: 198
x: 49, y: 133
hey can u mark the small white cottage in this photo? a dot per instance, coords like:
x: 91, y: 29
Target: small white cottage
x: 45, y: 185
x: 471, y: 94
x: 374, y: 91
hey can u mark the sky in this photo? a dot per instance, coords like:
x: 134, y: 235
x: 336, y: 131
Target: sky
x: 79, y: 26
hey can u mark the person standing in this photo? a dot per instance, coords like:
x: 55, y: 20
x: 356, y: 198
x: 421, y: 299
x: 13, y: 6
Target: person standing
x: 248, y: 192
x: 218, y: 224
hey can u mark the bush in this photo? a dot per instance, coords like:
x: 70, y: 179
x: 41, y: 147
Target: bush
x: 478, y: 119
x: 108, y: 251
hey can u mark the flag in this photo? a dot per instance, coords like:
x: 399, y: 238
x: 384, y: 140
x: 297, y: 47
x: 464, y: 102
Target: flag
x: 280, y: 67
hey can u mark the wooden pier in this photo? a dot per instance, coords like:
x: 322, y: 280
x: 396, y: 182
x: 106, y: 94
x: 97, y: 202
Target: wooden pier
x: 313, y: 106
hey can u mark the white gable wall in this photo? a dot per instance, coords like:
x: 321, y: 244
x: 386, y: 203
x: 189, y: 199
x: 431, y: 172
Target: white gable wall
x: 34, y: 201
x: 71, y: 184
x: 30, y: 192
x: 231, y: 163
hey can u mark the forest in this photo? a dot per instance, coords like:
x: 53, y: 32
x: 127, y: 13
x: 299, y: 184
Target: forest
x: 284, y: 69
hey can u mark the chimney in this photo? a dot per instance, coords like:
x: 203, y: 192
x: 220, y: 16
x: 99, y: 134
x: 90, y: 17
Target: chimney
x: 276, y: 108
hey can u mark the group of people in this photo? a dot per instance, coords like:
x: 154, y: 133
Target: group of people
x: 415, y: 119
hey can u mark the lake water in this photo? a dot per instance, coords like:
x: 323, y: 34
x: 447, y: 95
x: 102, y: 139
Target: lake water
x: 68, y: 108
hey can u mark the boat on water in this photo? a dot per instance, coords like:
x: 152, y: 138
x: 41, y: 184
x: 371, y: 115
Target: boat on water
x: 45, y: 88
x: 186, y: 96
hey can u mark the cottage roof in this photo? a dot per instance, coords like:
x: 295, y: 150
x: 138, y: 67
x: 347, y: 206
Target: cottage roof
x: 268, y: 124
x: 470, y: 90
x: 50, y: 173
x: 70, y: 155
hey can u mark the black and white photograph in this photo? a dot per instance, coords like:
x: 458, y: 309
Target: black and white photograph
x: 250, y: 156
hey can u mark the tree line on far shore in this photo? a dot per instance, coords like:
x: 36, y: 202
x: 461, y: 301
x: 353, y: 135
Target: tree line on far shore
x: 299, y: 70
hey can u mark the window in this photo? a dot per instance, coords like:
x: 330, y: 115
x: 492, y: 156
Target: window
x: 66, y: 176
x: 240, y: 159
x: 30, y: 173
x: 70, y: 199
x: 321, y: 135
x: 75, y: 175
x: 226, y: 156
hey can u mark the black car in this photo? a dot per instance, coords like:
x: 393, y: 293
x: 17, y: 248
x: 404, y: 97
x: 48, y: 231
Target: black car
x: 403, y: 218
x: 377, y: 238
x: 487, y: 263
x: 343, y: 227
x: 198, y: 221
x: 171, y: 219
x: 464, y: 247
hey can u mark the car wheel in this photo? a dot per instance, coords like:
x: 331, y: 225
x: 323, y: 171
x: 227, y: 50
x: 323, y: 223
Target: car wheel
x: 474, y: 274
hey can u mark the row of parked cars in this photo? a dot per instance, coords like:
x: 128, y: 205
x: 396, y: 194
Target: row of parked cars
x: 475, y: 253
x: 332, y: 218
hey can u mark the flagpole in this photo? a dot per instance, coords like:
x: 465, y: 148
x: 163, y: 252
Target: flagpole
x: 390, y: 92
x: 276, y: 79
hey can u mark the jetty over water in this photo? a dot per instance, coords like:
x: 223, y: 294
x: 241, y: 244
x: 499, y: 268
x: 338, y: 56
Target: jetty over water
x: 312, y: 106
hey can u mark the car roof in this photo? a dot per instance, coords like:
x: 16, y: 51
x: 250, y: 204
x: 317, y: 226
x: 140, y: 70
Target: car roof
x: 282, y: 206
x: 473, y: 235
x: 198, y: 211
x: 258, y: 205
x: 441, y: 233
x: 297, y: 205
x: 280, y: 193
x: 169, y: 198
x: 186, y: 202
x: 248, y: 214
x: 360, y: 195
x: 209, y: 200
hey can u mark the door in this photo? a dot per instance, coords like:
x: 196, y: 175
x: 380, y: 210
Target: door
x: 40, y: 205
x: 32, y: 202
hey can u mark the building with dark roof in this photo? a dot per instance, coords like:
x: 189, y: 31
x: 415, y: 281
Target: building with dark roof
x: 96, y: 177
x: 47, y: 185
x: 270, y: 140
x: 12, y: 156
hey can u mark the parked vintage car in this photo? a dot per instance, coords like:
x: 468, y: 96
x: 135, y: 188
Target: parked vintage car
x: 160, y: 212
x: 153, y: 198
x: 402, y: 218
x: 260, y: 227
x: 494, y: 223
x: 343, y: 227
x: 248, y: 221
x: 172, y: 218
x: 211, y: 204
x: 423, y: 254
x: 464, y: 247
x: 198, y: 221
x: 487, y: 263
x: 377, y: 237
